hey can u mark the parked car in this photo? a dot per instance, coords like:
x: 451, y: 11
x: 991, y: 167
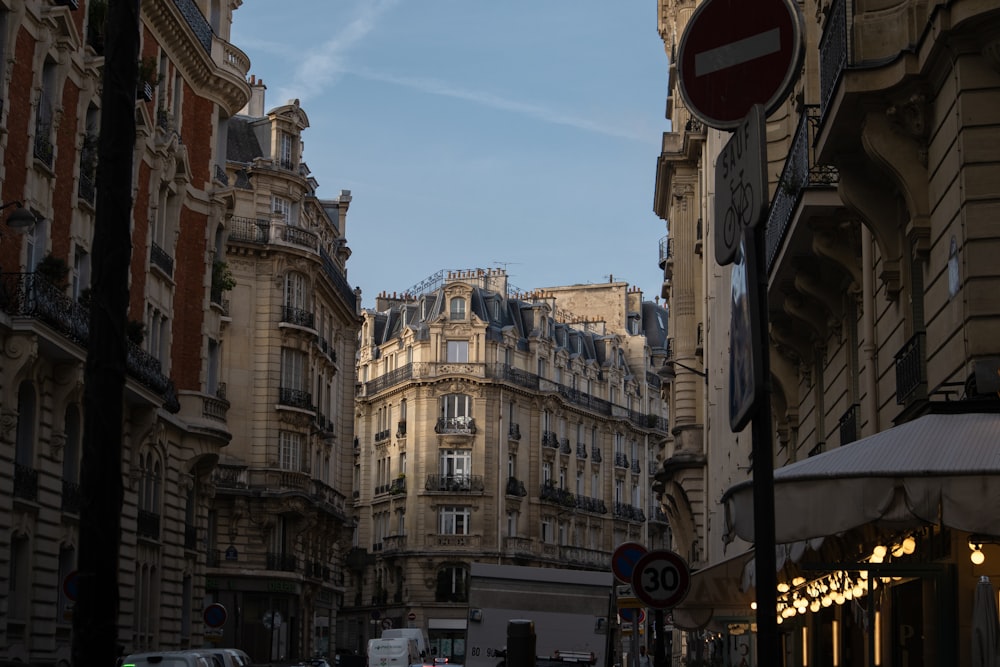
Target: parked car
x: 231, y: 657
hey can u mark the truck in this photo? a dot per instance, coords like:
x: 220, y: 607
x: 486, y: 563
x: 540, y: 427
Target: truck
x: 572, y: 612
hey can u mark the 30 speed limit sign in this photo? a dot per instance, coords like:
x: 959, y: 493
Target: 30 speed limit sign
x: 661, y: 579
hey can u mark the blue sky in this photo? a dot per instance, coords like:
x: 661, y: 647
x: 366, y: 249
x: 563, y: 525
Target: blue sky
x: 476, y: 134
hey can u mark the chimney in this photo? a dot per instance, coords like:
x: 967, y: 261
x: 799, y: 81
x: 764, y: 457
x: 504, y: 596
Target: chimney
x: 255, y: 107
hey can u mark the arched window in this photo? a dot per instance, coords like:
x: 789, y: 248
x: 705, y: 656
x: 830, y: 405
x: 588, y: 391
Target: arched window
x: 25, y: 475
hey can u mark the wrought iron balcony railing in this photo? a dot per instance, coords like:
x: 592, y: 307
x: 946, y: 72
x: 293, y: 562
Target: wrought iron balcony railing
x: 249, y: 230
x: 849, y: 424
x: 298, y: 316
x: 621, y: 460
x: 455, y: 483
x: 282, y: 562
x: 465, y: 425
x: 147, y: 524
x: 159, y: 258
x: 25, y: 482
x: 629, y: 512
x: 296, y: 398
x: 911, y: 373
x: 515, y: 487
x: 832, y: 53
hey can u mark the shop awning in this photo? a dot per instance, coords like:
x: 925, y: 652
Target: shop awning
x: 720, y: 590
x: 939, y: 468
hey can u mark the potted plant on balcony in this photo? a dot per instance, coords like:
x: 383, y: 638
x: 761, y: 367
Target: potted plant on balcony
x: 222, y: 277
x: 53, y: 269
x: 148, y: 78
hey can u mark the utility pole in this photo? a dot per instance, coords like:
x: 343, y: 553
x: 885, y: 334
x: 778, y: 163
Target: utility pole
x: 95, y: 616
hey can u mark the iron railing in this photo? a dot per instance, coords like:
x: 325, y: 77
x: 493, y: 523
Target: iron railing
x: 454, y: 483
x: 911, y: 371
x: 832, y: 54
x: 249, y: 230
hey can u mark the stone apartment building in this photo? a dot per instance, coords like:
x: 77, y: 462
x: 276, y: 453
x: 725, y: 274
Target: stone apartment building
x: 281, y: 522
x: 497, y: 426
x: 176, y: 424
x: 882, y: 327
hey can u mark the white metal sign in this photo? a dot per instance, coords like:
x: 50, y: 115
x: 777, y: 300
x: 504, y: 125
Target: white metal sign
x: 740, y: 185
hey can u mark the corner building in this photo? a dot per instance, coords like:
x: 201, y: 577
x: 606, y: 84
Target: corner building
x: 176, y: 423
x: 281, y: 525
x: 502, y: 427
x: 882, y: 330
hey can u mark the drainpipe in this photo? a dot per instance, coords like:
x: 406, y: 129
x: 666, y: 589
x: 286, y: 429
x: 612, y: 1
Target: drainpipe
x: 869, y: 352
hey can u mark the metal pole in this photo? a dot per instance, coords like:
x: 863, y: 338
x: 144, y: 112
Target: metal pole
x: 763, y: 478
x: 95, y: 618
x: 660, y: 659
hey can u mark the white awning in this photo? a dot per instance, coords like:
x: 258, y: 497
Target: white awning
x: 939, y: 468
x: 719, y: 590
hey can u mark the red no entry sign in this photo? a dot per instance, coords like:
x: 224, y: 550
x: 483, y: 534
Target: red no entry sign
x: 734, y: 54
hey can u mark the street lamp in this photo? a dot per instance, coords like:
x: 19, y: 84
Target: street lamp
x: 20, y: 219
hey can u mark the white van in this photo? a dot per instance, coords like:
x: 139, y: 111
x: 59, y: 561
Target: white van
x: 392, y: 652
x: 416, y: 634
x: 170, y: 659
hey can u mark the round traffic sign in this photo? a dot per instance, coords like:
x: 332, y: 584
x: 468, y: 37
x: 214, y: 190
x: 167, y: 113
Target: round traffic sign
x: 734, y: 54
x: 71, y: 586
x: 661, y: 579
x: 628, y: 615
x: 624, y: 558
x: 215, y: 615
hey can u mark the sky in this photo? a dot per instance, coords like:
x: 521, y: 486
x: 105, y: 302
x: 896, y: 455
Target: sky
x: 514, y: 134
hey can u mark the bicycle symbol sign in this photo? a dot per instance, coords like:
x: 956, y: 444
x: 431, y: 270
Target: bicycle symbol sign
x: 661, y: 579
x: 741, y: 195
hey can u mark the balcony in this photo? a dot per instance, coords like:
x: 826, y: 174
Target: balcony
x: 298, y: 316
x: 398, y: 486
x: 458, y: 541
x: 454, y: 483
x: 849, y: 425
x: 628, y: 512
x: 585, y: 557
x: 393, y: 543
x: 401, y: 429
x: 581, y: 450
x: 621, y: 461
x: 159, y: 258
x: 281, y: 562
x: 31, y: 295
x: 911, y: 371
x: 462, y: 425
x: 800, y: 173
x: 518, y: 546
x: 832, y: 53
x: 515, y: 487
x: 147, y: 524
x: 215, y: 407
x: 295, y: 398
x: 564, y: 447
x: 70, y: 499
x: 25, y: 483
x: 550, y: 439
x: 249, y: 230
x: 514, y: 432
x: 549, y: 492
x: 593, y: 505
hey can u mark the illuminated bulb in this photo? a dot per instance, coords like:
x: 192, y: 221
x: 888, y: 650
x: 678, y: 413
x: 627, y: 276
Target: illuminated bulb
x: 803, y: 609
x: 840, y: 598
x: 977, y: 557
x: 798, y: 581
x: 897, y: 550
x: 864, y: 574
x: 859, y: 590
x: 782, y: 587
x: 879, y: 552
x: 780, y: 620
x: 826, y: 601
x: 909, y: 545
x: 753, y: 605
x: 848, y: 593
x: 814, y: 606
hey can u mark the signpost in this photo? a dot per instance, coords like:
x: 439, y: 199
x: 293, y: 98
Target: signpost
x: 736, y: 64
x: 215, y: 615
x: 734, y: 54
x: 741, y: 185
x: 624, y: 558
x: 661, y: 579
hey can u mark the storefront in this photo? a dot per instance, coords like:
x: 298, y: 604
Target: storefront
x: 882, y: 543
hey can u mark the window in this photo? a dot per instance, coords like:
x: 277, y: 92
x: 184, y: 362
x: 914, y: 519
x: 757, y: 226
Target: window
x: 282, y: 209
x: 452, y: 584
x: 456, y: 410
x: 290, y: 451
x: 458, y: 351
x: 579, y: 483
x: 293, y: 369
x: 285, y: 144
x: 453, y: 520
x: 296, y: 291
x: 547, y: 472
x: 456, y: 465
x: 546, y: 535
x: 512, y: 523
x: 67, y: 563
x: 457, y: 310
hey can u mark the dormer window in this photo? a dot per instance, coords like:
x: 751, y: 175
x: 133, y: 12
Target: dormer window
x: 285, y: 144
x: 457, y: 308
